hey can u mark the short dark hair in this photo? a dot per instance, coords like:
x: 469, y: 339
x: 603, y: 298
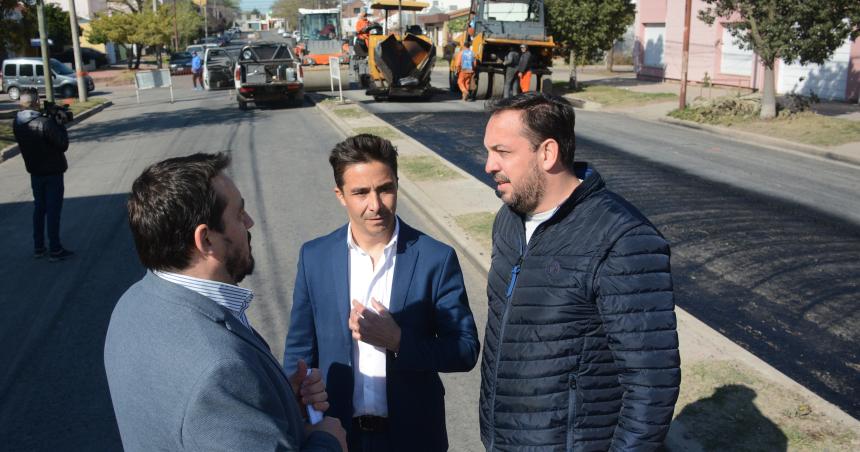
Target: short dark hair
x: 167, y: 203
x: 363, y: 148
x: 545, y: 116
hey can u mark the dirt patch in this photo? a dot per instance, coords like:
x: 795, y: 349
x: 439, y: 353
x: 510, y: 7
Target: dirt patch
x: 725, y: 405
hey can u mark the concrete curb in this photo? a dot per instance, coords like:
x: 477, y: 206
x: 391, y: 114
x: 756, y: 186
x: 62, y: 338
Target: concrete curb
x: 762, y: 140
x: 584, y: 104
x: 12, y: 150
x: 720, y: 345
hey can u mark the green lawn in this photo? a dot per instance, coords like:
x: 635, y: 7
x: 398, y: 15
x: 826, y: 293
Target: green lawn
x: 612, y: 96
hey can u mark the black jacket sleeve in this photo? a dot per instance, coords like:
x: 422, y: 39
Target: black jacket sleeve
x: 636, y: 305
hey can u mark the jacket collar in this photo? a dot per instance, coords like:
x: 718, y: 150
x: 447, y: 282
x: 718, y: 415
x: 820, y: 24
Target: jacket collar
x: 179, y: 295
x: 25, y: 116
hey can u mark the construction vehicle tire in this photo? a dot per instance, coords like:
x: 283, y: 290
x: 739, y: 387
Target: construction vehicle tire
x: 483, y: 90
x: 498, y: 85
x: 546, y: 85
x: 364, y: 81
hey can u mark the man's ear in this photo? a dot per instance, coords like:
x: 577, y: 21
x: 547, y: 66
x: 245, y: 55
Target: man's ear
x: 339, y: 193
x: 202, y: 241
x: 549, y: 154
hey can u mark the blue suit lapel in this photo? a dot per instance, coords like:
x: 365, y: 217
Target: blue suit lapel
x: 340, y: 277
x: 404, y: 266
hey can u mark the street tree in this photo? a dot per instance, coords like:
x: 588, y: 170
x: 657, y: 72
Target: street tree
x: 145, y: 28
x: 585, y: 29
x: 791, y: 30
x: 56, y: 24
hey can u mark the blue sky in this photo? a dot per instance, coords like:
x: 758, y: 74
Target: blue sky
x: 262, y: 5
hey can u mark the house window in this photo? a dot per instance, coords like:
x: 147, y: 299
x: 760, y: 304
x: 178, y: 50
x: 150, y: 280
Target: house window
x: 356, y: 10
x: 735, y: 61
x: 655, y: 35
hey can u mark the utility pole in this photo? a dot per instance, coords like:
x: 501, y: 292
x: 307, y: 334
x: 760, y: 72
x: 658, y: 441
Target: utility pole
x: 46, y: 56
x: 685, y: 59
x: 76, y: 49
x: 205, y: 19
x: 175, y: 29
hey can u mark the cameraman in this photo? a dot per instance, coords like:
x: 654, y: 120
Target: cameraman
x: 43, y: 142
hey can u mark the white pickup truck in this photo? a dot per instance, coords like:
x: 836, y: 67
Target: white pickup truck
x: 268, y: 73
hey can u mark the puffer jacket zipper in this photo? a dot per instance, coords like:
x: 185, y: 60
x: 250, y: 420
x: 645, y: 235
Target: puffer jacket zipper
x: 509, y: 293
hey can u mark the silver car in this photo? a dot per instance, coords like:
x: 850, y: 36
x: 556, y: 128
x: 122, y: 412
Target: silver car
x: 20, y: 73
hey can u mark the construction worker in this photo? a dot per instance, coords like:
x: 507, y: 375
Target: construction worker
x: 465, y: 66
x: 524, y: 69
x: 361, y: 28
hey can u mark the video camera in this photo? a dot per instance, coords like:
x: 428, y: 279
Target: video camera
x: 58, y: 112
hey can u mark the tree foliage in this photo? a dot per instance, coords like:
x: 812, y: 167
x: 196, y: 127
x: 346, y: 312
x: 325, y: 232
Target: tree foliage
x: 15, y: 34
x: 791, y: 30
x: 588, y: 27
x: 146, y: 28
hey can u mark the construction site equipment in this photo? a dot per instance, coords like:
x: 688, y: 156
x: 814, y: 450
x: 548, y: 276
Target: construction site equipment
x: 397, y: 63
x: 320, y: 36
x: 493, y: 28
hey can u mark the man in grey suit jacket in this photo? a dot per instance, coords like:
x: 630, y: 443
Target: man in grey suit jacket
x: 186, y: 370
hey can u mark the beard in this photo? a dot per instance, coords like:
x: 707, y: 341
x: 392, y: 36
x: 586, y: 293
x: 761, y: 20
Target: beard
x: 525, y: 198
x: 238, y: 267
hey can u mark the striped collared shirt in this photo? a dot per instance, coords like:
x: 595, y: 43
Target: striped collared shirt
x: 234, y: 298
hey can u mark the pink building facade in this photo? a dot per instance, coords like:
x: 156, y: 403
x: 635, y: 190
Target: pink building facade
x: 714, y: 56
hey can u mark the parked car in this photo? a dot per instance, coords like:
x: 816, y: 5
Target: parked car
x: 88, y: 56
x: 217, y: 68
x: 21, y: 73
x: 180, y: 63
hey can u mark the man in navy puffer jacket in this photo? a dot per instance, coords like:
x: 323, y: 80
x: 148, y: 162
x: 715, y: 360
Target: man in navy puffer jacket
x: 581, y: 349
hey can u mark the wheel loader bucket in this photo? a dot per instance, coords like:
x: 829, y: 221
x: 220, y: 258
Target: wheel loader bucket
x: 405, y: 64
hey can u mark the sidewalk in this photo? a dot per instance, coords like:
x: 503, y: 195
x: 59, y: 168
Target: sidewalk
x: 712, y: 365
x: 847, y: 152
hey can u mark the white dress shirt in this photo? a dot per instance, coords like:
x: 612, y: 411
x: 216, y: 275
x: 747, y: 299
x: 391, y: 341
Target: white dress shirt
x: 365, y: 282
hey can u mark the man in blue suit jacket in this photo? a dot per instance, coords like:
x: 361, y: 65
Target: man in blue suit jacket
x: 186, y: 370
x: 381, y: 308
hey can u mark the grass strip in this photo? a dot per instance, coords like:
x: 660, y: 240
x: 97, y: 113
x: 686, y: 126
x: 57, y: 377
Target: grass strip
x: 806, y: 127
x: 612, y: 96
x: 381, y: 131
x: 350, y: 113
x: 7, y: 137
x: 425, y: 167
x: 728, y: 406
x: 478, y: 226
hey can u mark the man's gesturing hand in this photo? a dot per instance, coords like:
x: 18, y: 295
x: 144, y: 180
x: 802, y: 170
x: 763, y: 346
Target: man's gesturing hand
x: 375, y: 328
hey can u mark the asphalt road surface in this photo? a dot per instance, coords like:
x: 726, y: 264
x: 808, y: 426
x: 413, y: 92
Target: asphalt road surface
x: 766, y: 244
x: 55, y: 315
